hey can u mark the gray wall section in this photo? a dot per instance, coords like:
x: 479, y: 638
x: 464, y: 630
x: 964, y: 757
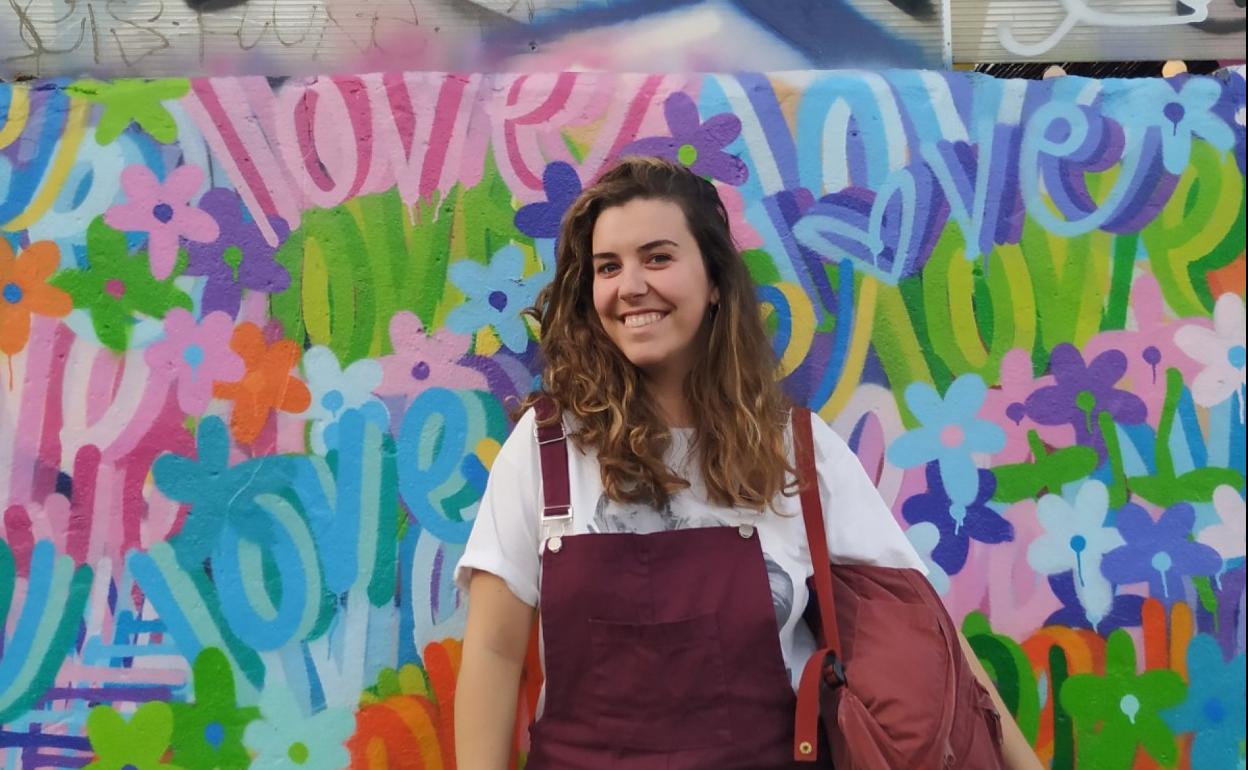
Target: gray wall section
x: 150, y: 38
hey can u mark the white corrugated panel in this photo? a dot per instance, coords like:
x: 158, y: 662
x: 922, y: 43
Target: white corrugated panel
x: 151, y: 38
x: 1096, y: 30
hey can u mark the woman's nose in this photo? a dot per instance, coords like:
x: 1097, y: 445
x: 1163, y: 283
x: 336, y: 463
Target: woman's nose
x: 632, y: 282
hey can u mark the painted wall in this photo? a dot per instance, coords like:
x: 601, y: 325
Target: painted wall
x: 153, y: 38
x: 1081, y: 30
x: 256, y: 338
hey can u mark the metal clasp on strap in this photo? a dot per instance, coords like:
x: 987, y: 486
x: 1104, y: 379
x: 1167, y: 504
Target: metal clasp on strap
x: 554, y: 527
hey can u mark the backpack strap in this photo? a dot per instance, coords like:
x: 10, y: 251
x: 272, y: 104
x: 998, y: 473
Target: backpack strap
x: 556, y: 489
x: 824, y: 665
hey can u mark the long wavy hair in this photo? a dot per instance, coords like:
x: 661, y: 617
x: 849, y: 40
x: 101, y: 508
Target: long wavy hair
x: 740, y: 413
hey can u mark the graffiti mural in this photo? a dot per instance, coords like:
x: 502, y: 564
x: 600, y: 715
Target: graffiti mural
x: 1080, y: 30
x: 151, y: 38
x: 257, y: 339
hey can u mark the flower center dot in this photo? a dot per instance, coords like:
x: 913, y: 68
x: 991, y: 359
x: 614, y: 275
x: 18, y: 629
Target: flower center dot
x: 233, y: 257
x: 687, y: 154
x: 420, y: 371
x: 332, y: 400
x: 1214, y: 710
x: 12, y: 293
x: 116, y: 288
x: 298, y: 753
x: 1174, y: 112
x: 193, y: 355
x: 1129, y: 705
x: 1152, y: 356
x: 1162, y: 561
x: 1078, y: 543
x: 214, y: 733
x: 1235, y: 356
x: 498, y: 300
x: 129, y: 767
x: 1086, y: 401
x: 163, y: 212
x: 952, y: 436
x: 1016, y: 412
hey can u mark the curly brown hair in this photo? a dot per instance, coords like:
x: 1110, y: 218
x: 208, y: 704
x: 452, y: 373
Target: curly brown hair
x: 740, y: 413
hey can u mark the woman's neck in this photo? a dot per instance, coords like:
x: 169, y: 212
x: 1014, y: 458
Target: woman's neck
x: 669, y: 395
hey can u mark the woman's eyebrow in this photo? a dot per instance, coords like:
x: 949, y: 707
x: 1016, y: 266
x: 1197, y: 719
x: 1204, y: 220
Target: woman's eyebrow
x: 643, y: 247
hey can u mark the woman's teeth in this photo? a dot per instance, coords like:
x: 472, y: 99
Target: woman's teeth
x: 642, y: 319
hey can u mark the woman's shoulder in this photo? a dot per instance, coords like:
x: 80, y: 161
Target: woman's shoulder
x: 521, y: 445
x: 827, y: 442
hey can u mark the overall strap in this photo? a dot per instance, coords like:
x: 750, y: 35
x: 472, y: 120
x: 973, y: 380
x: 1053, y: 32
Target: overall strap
x: 556, y: 508
x: 553, y: 453
x: 824, y: 666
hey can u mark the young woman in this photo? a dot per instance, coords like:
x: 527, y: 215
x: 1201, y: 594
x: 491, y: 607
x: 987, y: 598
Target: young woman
x: 670, y: 639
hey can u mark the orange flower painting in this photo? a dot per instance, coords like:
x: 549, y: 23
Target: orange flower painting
x: 266, y: 386
x: 24, y: 292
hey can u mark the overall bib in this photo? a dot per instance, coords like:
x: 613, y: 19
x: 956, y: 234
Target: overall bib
x: 662, y: 650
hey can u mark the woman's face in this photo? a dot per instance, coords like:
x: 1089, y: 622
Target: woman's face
x: 651, y: 289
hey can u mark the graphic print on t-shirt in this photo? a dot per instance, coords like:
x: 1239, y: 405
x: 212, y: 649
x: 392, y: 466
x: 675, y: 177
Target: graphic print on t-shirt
x: 612, y: 517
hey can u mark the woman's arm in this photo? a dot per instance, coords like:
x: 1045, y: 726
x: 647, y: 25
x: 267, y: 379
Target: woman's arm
x: 496, y: 639
x: 1018, y: 752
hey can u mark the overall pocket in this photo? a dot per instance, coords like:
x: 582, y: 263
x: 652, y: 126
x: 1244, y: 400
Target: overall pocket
x: 659, y: 686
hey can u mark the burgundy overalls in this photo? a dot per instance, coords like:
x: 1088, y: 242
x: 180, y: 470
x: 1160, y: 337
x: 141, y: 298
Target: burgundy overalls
x: 661, y: 650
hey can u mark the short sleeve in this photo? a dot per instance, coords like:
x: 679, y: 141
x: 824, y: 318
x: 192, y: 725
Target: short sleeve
x: 860, y: 527
x: 504, y: 535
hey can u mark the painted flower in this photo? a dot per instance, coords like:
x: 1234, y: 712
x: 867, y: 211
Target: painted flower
x: 420, y: 361
x: 1149, y: 346
x: 24, y: 291
x: 496, y: 294
x: 695, y: 144
x: 129, y: 101
x: 266, y: 385
x: 1221, y: 350
x: 1228, y: 536
x: 116, y: 286
x: 217, y: 494
x: 285, y: 738
x: 208, y: 734
x: 163, y: 211
x: 335, y: 390
x: 1159, y: 552
x: 139, y: 744
x: 194, y: 356
x: 1117, y: 712
x: 1084, y: 391
x: 1230, y: 108
x: 958, y: 523
x: 542, y: 219
x: 1214, y: 709
x: 1076, y: 539
x: 949, y: 433
x: 1125, y: 610
x: 239, y: 258
x: 925, y: 537
x: 1177, y: 115
x: 1004, y: 405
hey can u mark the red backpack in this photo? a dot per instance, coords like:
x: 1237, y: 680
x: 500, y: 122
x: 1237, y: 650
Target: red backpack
x: 895, y: 690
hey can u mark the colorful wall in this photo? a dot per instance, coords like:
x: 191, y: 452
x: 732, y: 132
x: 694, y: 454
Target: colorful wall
x: 154, y: 38
x: 256, y: 339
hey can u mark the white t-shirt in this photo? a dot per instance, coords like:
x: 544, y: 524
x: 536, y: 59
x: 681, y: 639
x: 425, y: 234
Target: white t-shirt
x: 860, y: 527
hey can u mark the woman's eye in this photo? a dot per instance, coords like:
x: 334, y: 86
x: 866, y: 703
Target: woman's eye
x: 607, y: 268
x: 662, y: 258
